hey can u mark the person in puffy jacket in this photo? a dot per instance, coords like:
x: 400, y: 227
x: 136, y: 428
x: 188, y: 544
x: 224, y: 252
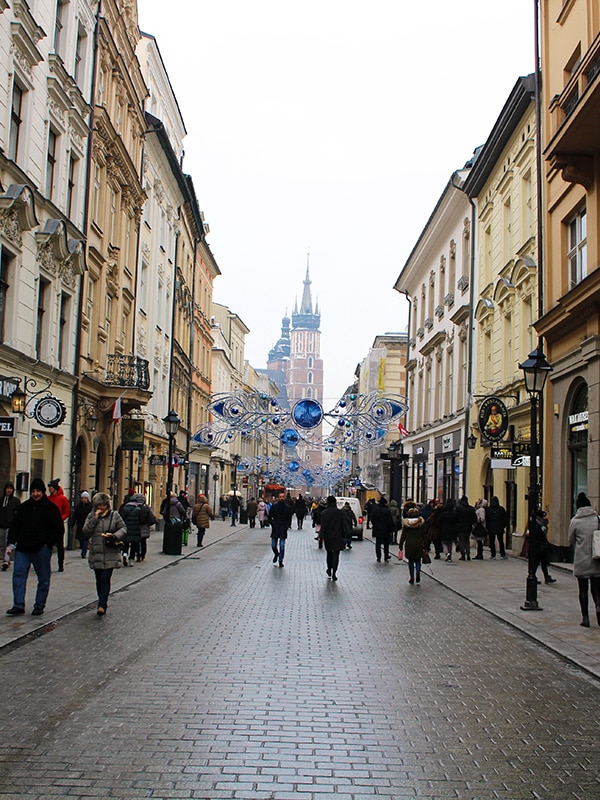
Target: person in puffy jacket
x: 104, y: 528
x: 35, y: 529
x: 585, y: 568
x: 57, y: 496
x: 413, y: 542
x: 202, y: 514
x: 8, y: 505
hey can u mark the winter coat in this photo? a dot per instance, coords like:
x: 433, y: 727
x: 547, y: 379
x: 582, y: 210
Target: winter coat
x: 235, y: 504
x: 78, y: 518
x: 280, y: 517
x: 465, y: 516
x: 335, y: 527
x: 300, y: 508
x: 381, y: 521
x: 413, y: 539
x: 262, y: 510
x: 138, y: 518
x: 581, y: 529
x: 447, y: 524
x: 36, y: 523
x: 202, y: 513
x: 251, y: 508
x: 60, y: 501
x: 396, y: 515
x: 346, y: 508
x: 8, y: 506
x: 176, y: 510
x: 480, y: 528
x: 100, y: 554
x: 496, y: 518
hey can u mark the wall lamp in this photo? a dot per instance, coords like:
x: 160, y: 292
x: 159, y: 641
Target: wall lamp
x: 87, y: 411
x: 20, y: 399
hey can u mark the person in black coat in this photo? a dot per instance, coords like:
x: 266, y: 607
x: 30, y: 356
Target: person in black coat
x: 300, y: 510
x: 496, y: 522
x: 382, y: 523
x: 36, y: 528
x: 280, y: 518
x: 8, y: 505
x: 465, y: 520
x: 78, y: 517
x: 447, y: 525
x: 335, y: 527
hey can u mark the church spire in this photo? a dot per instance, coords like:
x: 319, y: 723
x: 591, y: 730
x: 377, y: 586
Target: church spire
x: 306, y: 318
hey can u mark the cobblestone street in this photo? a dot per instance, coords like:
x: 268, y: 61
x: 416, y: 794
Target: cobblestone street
x: 224, y: 676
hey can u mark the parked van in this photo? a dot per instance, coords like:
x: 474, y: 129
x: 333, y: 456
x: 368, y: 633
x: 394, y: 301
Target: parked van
x: 357, y: 530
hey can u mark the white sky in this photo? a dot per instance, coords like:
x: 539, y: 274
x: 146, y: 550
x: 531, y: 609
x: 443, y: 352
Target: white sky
x: 331, y: 127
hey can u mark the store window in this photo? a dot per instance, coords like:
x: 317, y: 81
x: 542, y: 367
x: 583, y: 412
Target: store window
x: 577, y: 443
x: 43, y: 455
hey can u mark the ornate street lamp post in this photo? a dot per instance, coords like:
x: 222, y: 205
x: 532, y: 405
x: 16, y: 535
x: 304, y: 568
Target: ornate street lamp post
x: 236, y: 462
x: 535, y: 369
x: 172, y: 532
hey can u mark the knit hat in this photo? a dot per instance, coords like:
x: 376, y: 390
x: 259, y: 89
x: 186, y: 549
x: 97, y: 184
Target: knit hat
x: 55, y: 483
x: 86, y: 495
x: 37, y: 484
x: 582, y: 500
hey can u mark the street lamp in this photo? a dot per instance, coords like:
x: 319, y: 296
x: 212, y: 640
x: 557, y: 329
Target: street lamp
x: 535, y: 369
x: 236, y: 462
x: 172, y: 532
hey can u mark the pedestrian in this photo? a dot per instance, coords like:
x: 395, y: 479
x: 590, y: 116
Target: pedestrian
x: 316, y: 515
x: 352, y: 523
x: 383, y: 528
x: 413, y: 542
x: 479, y: 529
x: 105, y: 530
x: 465, y: 520
x: 234, y: 505
x: 262, y: 513
x: 431, y: 515
x: 540, y: 546
x: 78, y: 518
x: 148, y: 520
x: 223, y: 507
x: 447, y: 525
x: 57, y: 496
x: 202, y: 514
x: 335, y: 527
x: 185, y: 520
x: 8, y: 506
x: 368, y: 508
x: 300, y: 510
x: 496, y: 522
x: 397, y: 518
x: 407, y: 506
x: 280, y: 519
x: 252, y: 511
x: 35, y: 529
x: 137, y: 516
x: 586, y: 568
x: 173, y: 508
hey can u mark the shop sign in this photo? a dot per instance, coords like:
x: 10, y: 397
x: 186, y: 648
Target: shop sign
x: 132, y: 434
x: 493, y: 419
x: 447, y: 443
x: 578, y: 422
x: 501, y: 458
x: 7, y: 427
x: 50, y: 412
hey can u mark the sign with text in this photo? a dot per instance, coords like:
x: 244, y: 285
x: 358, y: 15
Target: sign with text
x: 493, y: 419
x: 7, y: 427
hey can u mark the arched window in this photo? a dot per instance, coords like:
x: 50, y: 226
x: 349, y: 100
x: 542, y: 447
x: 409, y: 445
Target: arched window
x: 309, y: 377
x: 310, y: 362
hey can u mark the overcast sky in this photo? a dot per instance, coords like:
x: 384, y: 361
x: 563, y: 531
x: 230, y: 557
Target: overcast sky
x: 331, y: 127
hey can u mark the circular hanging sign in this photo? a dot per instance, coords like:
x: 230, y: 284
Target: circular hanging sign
x: 50, y: 412
x: 493, y: 419
x: 307, y: 413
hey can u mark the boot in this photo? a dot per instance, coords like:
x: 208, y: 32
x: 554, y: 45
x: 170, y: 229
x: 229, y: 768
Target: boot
x: 585, y: 622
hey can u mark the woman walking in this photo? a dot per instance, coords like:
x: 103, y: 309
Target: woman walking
x: 447, y: 527
x: 104, y: 529
x: 413, y: 542
x: 202, y: 514
x: 585, y: 568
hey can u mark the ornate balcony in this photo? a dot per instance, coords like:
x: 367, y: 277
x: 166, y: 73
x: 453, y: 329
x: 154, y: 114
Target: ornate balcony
x: 127, y: 371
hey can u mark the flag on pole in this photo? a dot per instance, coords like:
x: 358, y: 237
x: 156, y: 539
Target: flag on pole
x: 403, y: 430
x: 117, y: 411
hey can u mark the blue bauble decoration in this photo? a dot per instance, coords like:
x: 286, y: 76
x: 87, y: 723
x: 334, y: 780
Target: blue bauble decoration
x: 293, y: 466
x: 307, y: 413
x: 289, y: 437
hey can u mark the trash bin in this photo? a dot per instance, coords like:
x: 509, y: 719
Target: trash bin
x: 172, y: 537
x: 243, y: 516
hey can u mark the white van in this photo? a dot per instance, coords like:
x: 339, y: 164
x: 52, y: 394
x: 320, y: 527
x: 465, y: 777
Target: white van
x: 357, y: 530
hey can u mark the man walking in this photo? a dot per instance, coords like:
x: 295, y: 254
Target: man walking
x: 335, y: 527
x: 57, y: 496
x: 383, y: 528
x: 35, y: 529
x: 280, y: 518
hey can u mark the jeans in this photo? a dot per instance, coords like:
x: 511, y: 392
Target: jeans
x: 278, y: 552
x: 492, y: 537
x: 414, y: 567
x: 200, y: 536
x: 103, y: 577
x: 41, y: 565
x: 60, y: 551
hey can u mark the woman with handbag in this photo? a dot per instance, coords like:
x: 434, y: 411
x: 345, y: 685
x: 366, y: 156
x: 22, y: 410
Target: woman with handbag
x: 105, y: 530
x: 413, y: 542
x: 586, y: 568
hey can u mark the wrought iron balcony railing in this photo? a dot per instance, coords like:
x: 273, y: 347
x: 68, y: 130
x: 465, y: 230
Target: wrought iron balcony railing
x: 122, y: 370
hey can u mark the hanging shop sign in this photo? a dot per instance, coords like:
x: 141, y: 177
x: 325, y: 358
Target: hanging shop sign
x: 501, y: 458
x: 493, y: 419
x: 132, y: 434
x: 7, y: 427
x: 50, y: 412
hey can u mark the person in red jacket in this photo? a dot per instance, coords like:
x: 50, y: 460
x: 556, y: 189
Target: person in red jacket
x: 58, y: 497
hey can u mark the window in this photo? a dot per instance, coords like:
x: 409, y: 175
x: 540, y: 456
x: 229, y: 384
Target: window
x: 310, y: 362
x: 108, y: 318
x: 71, y: 180
x: 97, y: 188
x: 5, y: 265
x: 15, y: 121
x: 59, y: 24
x: 79, y: 69
x: 577, y: 254
x: 63, y: 330
x: 50, y: 163
x: 310, y: 377
x: 41, y: 311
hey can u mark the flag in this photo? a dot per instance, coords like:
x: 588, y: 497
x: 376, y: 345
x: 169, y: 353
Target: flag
x: 403, y: 430
x: 117, y: 413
